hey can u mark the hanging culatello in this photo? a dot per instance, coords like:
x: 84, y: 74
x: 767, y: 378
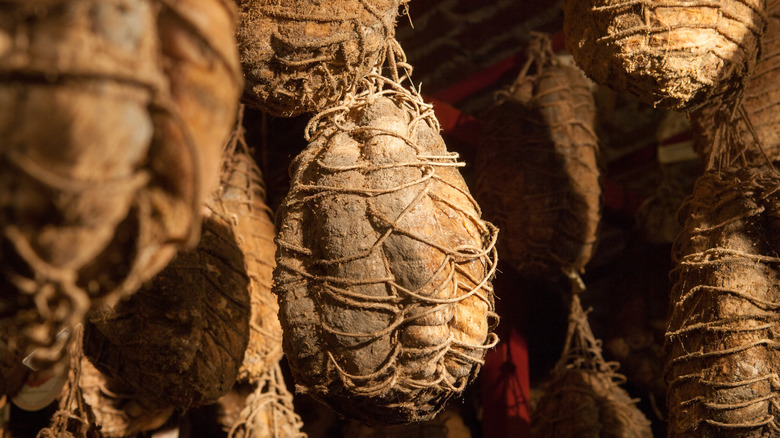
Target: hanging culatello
x: 384, y: 265
x: 101, y: 199
x: 670, y: 54
x: 181, y: 338
x: 721, y: 342
x: 582, y: 398
x: 538, y: 177
x: 241, y: 198
x: 304, y: 55
x: 268, y: 411
x: 198, y: 345
x: 758, y: 118
x: 64, y: 189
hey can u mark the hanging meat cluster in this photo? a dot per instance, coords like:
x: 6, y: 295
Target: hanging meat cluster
x: 142, y: 266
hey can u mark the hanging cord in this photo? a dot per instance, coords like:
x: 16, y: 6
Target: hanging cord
x: 539, y: 54
x: 582, y: 350
x: 72, y: 419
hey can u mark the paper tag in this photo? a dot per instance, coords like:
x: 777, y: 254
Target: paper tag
x: 40, y: 389
x: 61, y: 339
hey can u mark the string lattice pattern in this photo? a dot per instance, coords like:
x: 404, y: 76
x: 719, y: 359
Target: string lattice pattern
x: 300, y: 56
x: 383, y: 263
x: 721, y: 335
x: 676, y: 54
x: 540, y: 141
x: 583, y: 397
x: 181, y: 338
x: 756, y: 121
x: 241, y: 200
x: 64, y: 194
x: 269, y: 410
x: 99, y: 202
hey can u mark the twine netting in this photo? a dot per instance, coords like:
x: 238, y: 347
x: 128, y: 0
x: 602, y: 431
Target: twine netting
x: 540, y: 140
x: 225, y: 413
x: 729, y: 149
x: 101, y: 199
x: 583, y: 397
x: 757, y: 118
x: 56, y: 215
x: 241, y: 199
x: 268, y: 411
x: 181, y: 338
x: 384, y: 266
x: 302, y: 55
x: 674, y: 54
x: 721, y: 334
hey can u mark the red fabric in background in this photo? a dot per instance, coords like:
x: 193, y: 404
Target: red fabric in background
x: 504, y: 378
x: 506, y: 389
x: 487, y: 77
x: 466, y: 128
x: 455, y: 123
